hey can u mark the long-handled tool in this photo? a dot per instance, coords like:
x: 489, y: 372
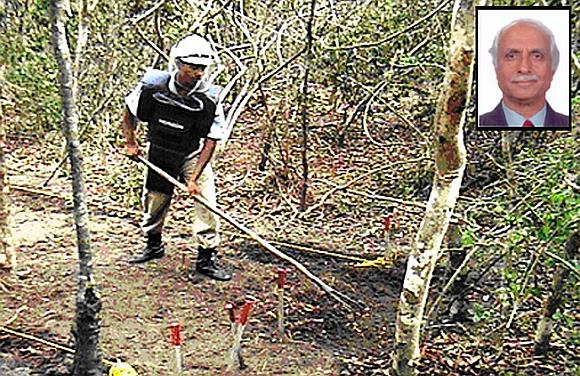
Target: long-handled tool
x: 340, y: 297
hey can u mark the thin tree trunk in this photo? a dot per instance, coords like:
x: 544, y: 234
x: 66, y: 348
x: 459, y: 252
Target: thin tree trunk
x: 305, y: 130
x: 87, y: 360
x: 450, y: 165
x: 7, y: 252
x: 545, y: 327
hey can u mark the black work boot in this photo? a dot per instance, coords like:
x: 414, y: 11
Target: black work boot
x: 153, y: 250
x: 206, y: 265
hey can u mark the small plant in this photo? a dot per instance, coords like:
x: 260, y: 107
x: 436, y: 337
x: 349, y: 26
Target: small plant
x: 480, y: 313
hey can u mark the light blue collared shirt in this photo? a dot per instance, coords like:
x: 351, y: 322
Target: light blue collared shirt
x: 516, y: 120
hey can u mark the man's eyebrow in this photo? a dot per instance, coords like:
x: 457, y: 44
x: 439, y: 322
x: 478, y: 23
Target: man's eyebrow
x: 540, y: 50
x: 512, y: 50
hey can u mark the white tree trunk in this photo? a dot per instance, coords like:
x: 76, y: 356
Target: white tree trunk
x: 87, y: 360
x: 449, y: 165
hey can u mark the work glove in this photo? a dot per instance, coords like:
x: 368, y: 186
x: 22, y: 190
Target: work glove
x: 193, y: 188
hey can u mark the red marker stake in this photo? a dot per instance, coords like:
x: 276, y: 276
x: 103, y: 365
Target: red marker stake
x: 236, y: 360
x: 176, y: 341
x: 280, y: 284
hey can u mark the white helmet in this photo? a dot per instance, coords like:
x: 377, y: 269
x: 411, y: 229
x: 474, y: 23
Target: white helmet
x: 193, y: 49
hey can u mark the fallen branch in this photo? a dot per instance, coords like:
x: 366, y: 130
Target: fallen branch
x: 338, y: 296
x: 54, y: 345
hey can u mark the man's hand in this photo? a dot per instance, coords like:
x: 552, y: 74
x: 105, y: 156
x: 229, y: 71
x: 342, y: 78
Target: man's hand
x: 133, y: 151
x: 128, y: 126
x: 193, y: 188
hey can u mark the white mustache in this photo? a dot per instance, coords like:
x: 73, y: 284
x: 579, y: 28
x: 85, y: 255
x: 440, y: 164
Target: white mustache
x: 525, y: 77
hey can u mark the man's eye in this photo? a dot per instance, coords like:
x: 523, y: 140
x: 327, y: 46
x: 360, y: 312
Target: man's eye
x: 537, y: 56
x: 510, y: 56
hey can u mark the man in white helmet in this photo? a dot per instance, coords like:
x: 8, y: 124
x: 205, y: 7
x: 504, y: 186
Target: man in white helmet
x: 185, y: 119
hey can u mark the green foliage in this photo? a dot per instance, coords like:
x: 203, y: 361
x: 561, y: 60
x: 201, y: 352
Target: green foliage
x: 480, y: 313
x: 467, y: 238
x: 558, y: 204
x: 25, y: 51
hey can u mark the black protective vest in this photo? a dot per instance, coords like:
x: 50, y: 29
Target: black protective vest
x: 175, y: 126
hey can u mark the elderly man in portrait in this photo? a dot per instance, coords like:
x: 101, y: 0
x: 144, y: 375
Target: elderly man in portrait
x: 525, y: 57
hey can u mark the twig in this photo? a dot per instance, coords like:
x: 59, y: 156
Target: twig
x: 358, y: 107
x: 531, y: 266
x: 3, y: 286
x: 545, y: 326
x: 246, y: 93
x: 365, y: 113
x: 305, y: 106
x: 450, y: 282
x: 400, y: 116
x: 83, y: 131
x: 15, y: 316
x: 150, y: 43
x: 455, y: 217
x: 141, y: 17
x: 483, y: 273
x: 198, y: 22
x: 419, y: 205
x: 564, y: 263
x: 392, y: 36
x: 358, y: 178
x: 276, y: 70
x: 572, y: 184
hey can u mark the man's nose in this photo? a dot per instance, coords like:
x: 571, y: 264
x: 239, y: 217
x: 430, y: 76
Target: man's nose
x: 524, y: 64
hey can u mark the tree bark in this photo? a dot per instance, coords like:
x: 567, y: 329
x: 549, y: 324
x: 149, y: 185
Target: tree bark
x: 545, y: 327
x: 7, y: 252
x: 449, y: 157
x: 305, y: 128
x: 87, y: 360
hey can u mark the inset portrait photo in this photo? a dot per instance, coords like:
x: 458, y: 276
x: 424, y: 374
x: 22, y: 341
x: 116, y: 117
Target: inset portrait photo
x: 523, y: 68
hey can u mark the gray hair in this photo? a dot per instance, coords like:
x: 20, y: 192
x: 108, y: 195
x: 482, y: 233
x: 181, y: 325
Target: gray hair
x: 553, y: 48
